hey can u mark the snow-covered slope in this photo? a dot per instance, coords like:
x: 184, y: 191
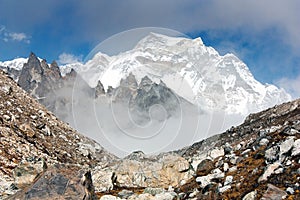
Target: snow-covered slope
x: 16, y: 64
x: 196, y: 72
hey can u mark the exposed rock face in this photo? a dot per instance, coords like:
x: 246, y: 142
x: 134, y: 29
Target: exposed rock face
x: 60, y: 182
x: 29, y: 131
x: 141, y: 171
x: 41, y: 81
x: 127, y: 89
x: 150, y: 94
x: 99, y: 90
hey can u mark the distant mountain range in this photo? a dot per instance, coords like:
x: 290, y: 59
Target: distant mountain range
x: 194, y: 71
x: 161, y: 78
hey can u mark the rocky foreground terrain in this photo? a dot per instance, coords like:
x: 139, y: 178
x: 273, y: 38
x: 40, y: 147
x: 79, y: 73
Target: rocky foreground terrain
x: 44, y: 158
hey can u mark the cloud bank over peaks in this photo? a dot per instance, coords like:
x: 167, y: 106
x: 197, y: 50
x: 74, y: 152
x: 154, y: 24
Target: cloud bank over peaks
x: 66, y: 58
x: 291, y: 86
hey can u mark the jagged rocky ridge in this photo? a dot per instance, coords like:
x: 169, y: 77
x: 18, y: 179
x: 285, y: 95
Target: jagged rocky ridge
x: 45, y: 83
x: 32, y: 138
x: 259, y: 159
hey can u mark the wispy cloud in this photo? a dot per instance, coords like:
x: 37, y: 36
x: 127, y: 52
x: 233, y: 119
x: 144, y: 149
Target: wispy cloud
x: 10, y: 36
x: 66, y: 58
x: 291, y: 86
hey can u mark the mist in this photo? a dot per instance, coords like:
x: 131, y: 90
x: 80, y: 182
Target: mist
x: 120, y: 131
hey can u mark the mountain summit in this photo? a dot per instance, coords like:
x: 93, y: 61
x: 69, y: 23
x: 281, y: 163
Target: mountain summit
x: 219, y: 91
x: 194, y: 71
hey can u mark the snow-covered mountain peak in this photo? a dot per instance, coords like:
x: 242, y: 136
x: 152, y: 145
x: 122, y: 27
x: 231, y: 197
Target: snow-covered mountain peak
x: 193, y: 70
x: 16, y: 63
x: 155, y: 39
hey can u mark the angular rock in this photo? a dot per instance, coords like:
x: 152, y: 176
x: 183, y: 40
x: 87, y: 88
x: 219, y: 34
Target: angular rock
x: 27, y: 172
x: 204, y: 167
x: 217, y: 152
x: 103, y: 179
x: 109, y: 197
x: 272, y: 154
x: 274, y: 193
x: 296, y: 148
x: 286, y: 145
x: 60, y: 182
x: 263, y: 142
x: 269, y: 170
x: 125, y: 194
x: 99, y: 90
x: 206, y: 180
x: 228, y: 180
x: 250, y: 196
x: 225, y: 188
x: 154, y: 191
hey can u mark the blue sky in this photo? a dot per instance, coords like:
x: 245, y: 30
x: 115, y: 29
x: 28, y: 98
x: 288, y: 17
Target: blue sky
x: 264, y: 34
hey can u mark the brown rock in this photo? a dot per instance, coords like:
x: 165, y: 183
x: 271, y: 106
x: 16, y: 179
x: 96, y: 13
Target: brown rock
x: 274, y: 193
x: 204, y: 167
x: 60, y: 182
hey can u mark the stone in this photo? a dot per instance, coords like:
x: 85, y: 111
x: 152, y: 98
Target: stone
x: 165, y: 196
x: 290, y: 131
x: 206, y: 180
x: 269, y: 170
x: 60, y: 182
x: 225, y: 167
x: 274, y: 193
x: 296, y: 148
x: 285, y: 146
x: 103, y: 180
x: 27, y: 172
x: 142, y: 196
x: 228, y: 180
x: 288, y: 163
x: 6, y: 89
x: 217, y: 152
x: 125, y: 194
x: 250, y: 196
x: 154, y: 191
x: 182, y: 195
x: 163, y: 171
x: 109, y: 197
x: 233, y: 169
x: 246, y: 152
x: 233, y: 159
x: 290, y: 190
x: 271, y: 154
x: 6, y: 117
x: 263, y: 142
x: 193, y: 194
x: 228, y: 148
x: 279, y: 170
x: 27, y: 130
x: 238, y: 147
x: 217, y: 173
x: 225, y: 188
x: 204, y: 167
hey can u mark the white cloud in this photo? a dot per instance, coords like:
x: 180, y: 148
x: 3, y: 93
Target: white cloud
x: 17, y: 36
x: 66, y: 58
x: 291, y: 86
x: 8, y: 36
